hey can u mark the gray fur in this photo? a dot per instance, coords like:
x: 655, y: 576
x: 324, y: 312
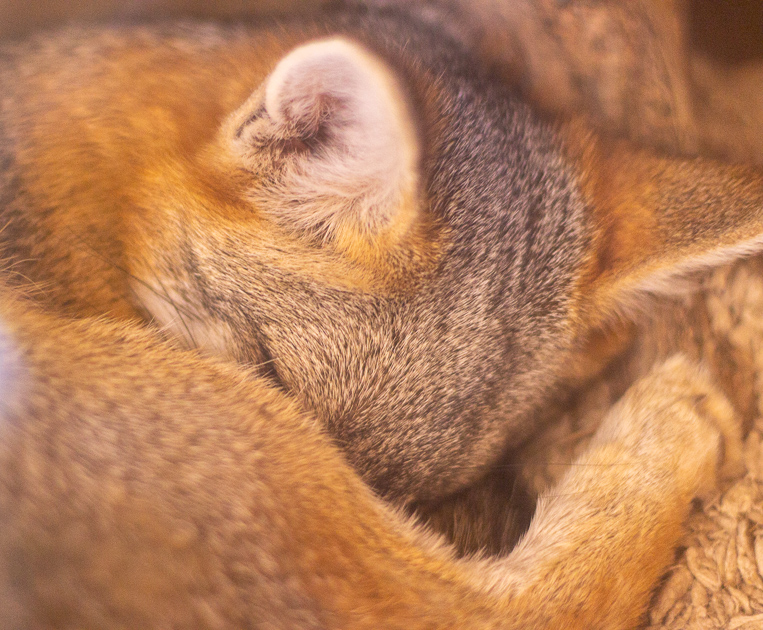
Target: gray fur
x: 424, y: 388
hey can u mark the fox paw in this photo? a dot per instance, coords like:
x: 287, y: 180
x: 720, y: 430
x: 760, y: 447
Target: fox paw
x: 677, y: 419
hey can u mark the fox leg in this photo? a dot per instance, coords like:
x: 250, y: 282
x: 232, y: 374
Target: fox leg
x: 601, y: 539
x: 143, y: 486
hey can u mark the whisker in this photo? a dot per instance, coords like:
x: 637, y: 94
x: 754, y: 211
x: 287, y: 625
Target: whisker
x: 175, y: 306
x: 113, y: 264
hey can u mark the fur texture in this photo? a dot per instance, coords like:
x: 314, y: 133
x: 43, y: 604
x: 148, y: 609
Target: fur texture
x: 196, y: 177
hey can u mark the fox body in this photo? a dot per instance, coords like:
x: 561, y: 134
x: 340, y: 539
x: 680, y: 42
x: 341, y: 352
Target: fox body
x: 429, y: 281
x: 355, y: 215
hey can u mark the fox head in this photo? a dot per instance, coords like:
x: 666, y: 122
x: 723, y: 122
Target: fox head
x: 401, y: 255
x: 361, y: 214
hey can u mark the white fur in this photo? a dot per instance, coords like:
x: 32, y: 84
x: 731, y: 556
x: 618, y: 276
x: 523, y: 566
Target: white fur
x: 174, y: 315
x: 667, y: 280
x: 366, y: 163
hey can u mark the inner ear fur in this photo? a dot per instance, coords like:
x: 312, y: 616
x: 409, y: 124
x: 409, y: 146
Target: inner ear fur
x: 331, y: 145
x: 654, y: 218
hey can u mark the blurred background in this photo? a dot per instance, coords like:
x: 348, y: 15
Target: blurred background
x: 685, y: 76
x: 731, y: 32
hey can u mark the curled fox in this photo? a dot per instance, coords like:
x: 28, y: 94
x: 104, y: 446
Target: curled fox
x: 380, y: 262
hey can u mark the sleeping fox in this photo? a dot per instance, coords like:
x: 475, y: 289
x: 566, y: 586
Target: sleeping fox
x: 264, y: 285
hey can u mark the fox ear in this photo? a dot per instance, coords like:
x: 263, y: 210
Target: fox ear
x: 655, y: 218
x: 331, y: 143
